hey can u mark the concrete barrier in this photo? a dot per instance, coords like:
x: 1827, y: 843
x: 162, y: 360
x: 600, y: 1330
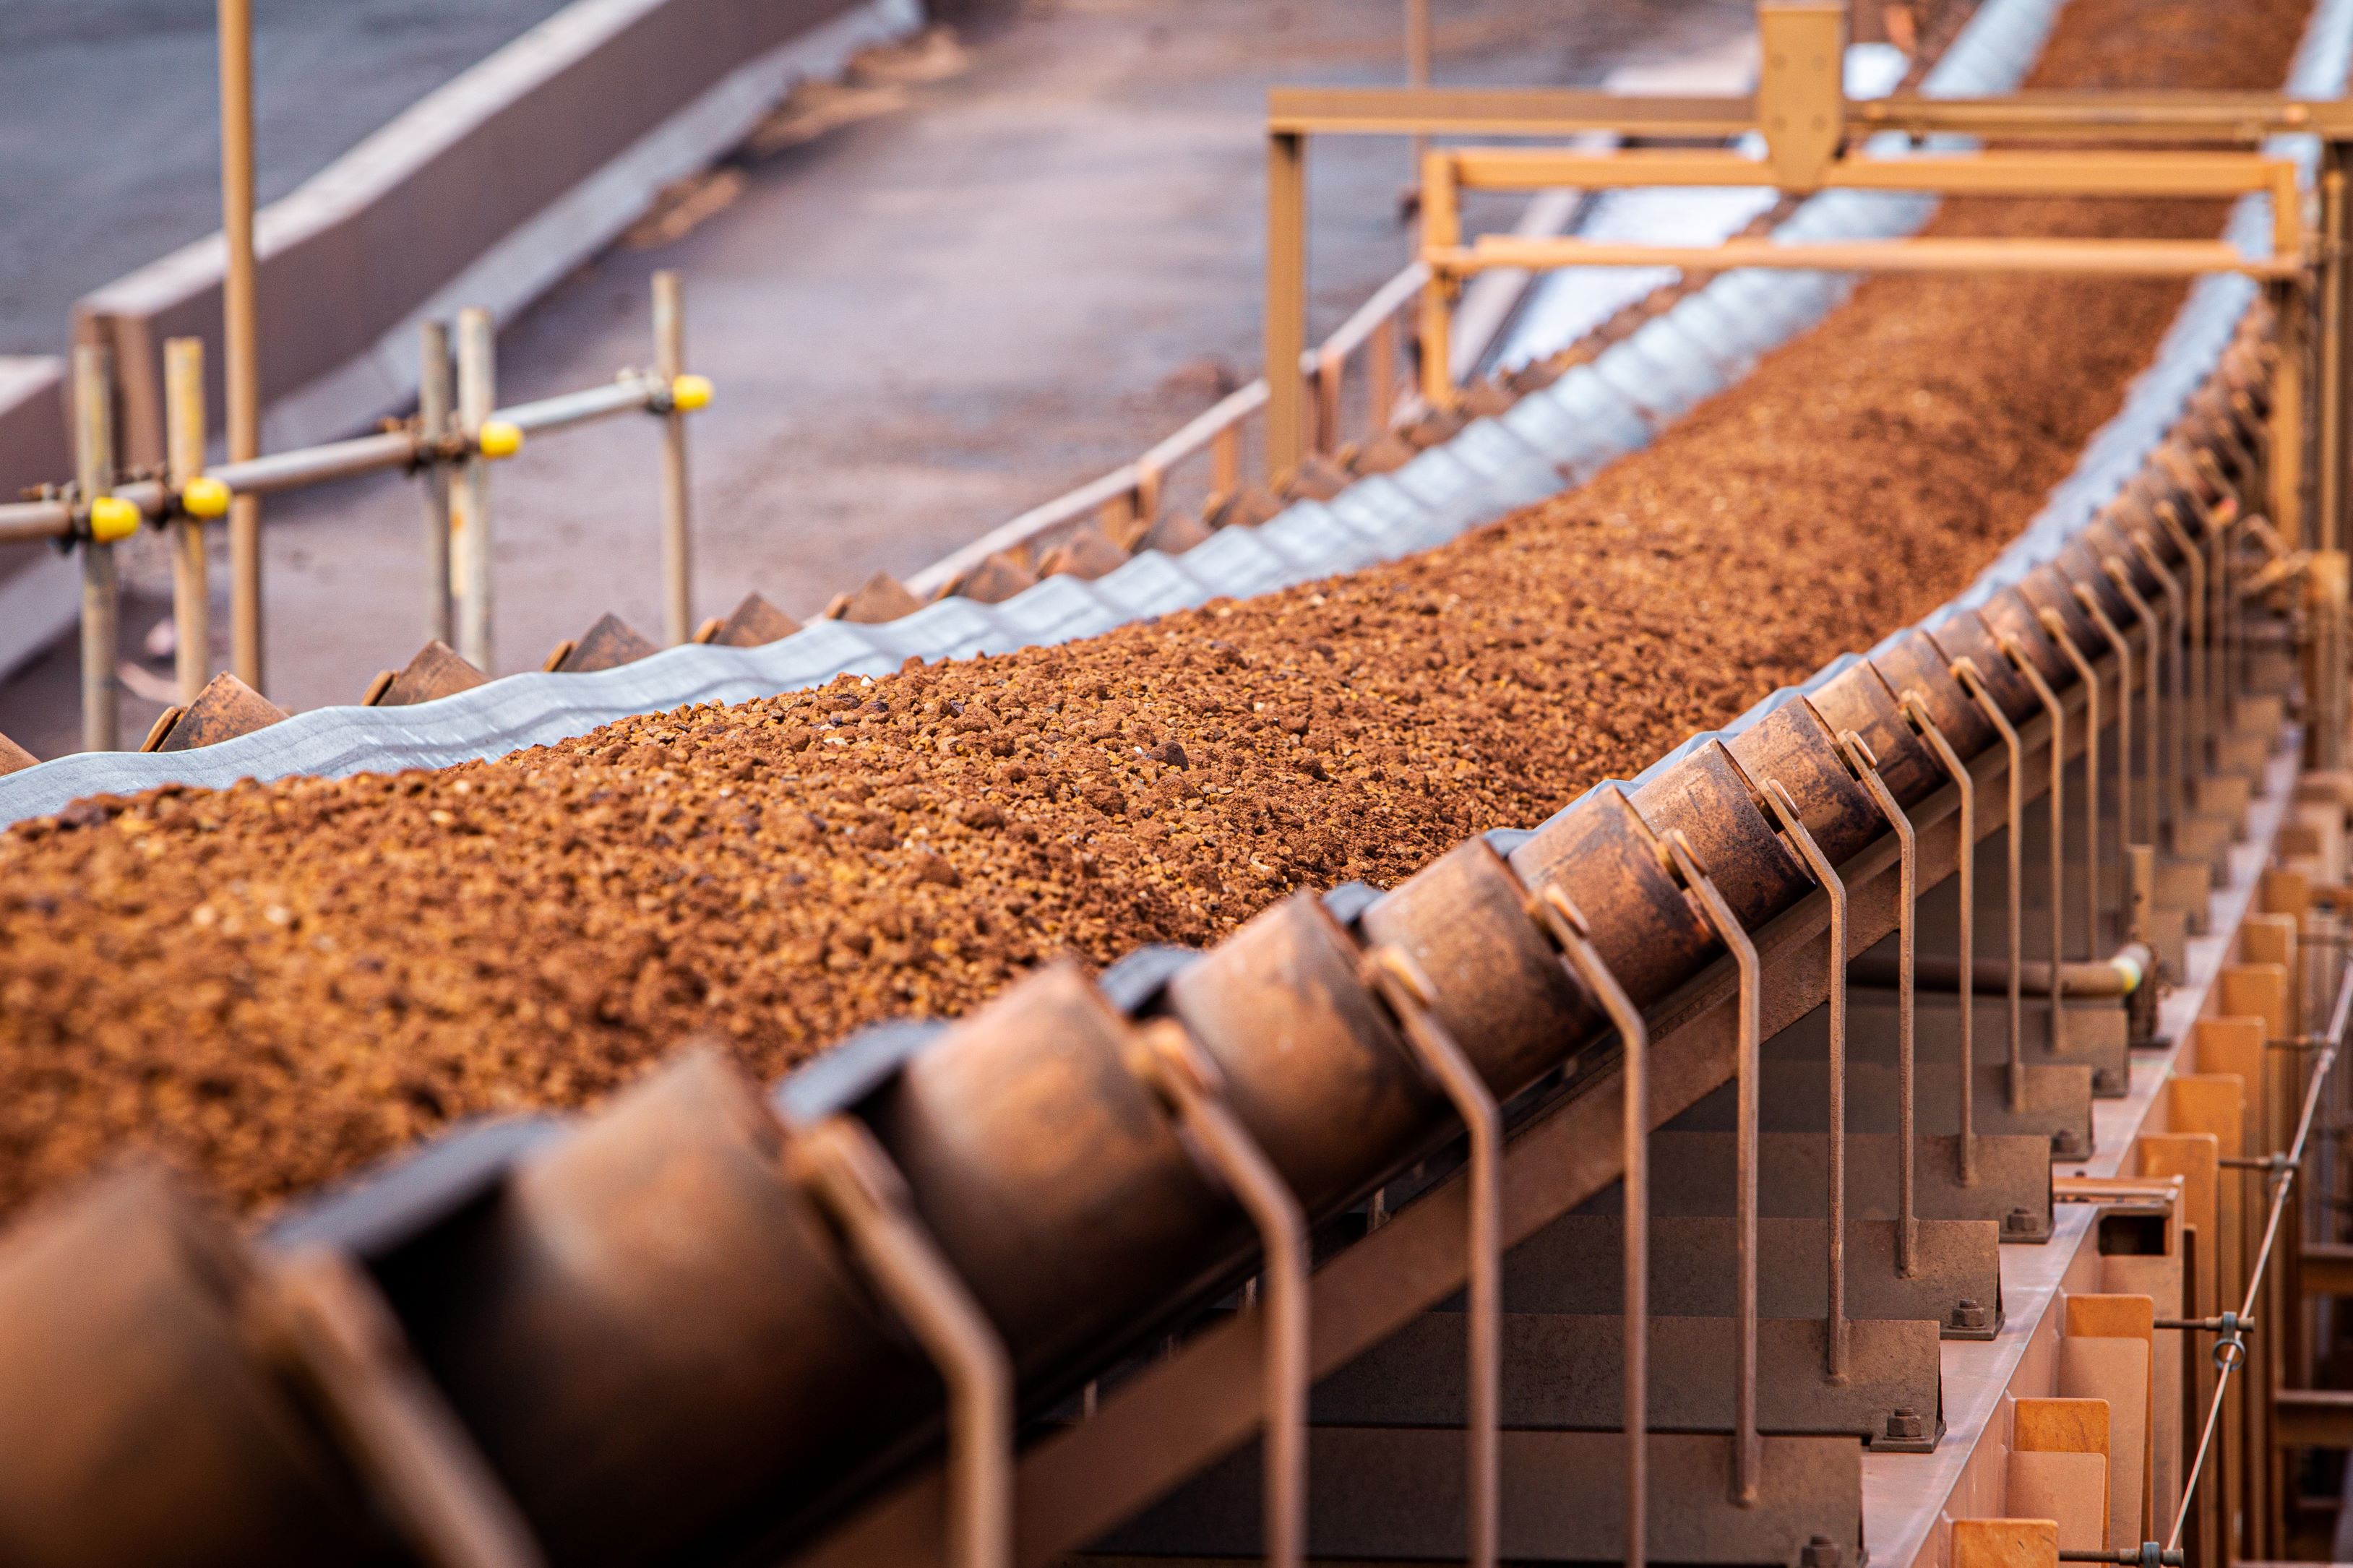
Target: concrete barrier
x: 486, y: 192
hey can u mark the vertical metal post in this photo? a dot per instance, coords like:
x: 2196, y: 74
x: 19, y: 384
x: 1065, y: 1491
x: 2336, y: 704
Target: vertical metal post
x: 1747, y: 1452
x: 1915, y: 708
x: 854, y: 1179
x: 2056, y: 711
x: 1410, y: 997
x: 1570, y: 932
x: 1286, y: 303
x: 102, y: 608
x: 2140, y: 890
x: 2339, y: 240
x: 1964, y: 670
x: 1416, y: 63
x: 1907, y: 909
x: 184, y: 441
x: 1189, y: 1082
x: 2176, y: 611
x: 1380, y: 377
x: 1834, y: 1334
x: 2198, y: 680
x: 669, y: 363
x: 240, y: 337
x: 433, y: 412
x: 477, y: 395
x: 2288, y: 414
x: 1442, y: 224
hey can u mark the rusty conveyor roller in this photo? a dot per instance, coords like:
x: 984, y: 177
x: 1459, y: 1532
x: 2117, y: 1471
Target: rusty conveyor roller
x: 644, y: 1334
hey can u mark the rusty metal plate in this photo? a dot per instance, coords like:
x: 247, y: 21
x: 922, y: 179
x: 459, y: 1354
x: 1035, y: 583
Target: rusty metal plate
x: 1791, y: 745
x: 1705, y: 796
x: 635, y: 1325
x: 1604, y: 857
x: 1313, y: 1065
x: 1051, y: 1178
x: 138, y: 1426
x: 1502, y: 989
x: 225, y: 709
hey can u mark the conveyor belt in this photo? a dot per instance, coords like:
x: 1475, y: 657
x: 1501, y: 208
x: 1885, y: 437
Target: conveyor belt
x: 1570, y: 429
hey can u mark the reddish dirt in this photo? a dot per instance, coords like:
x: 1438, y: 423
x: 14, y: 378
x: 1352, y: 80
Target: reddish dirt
x: 272, y: 984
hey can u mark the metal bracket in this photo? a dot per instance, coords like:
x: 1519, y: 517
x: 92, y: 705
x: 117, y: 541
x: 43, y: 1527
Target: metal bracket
x: 2152, y: 686
x: 2199, y: 684
x: 1966, y: 672
x: 1913, y: 706
x: 2055, y: 627
x: 1866, y: 768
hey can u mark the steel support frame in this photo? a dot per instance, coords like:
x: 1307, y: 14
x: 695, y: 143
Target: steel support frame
x: 2234, y: 120
x: 1176, y: 1416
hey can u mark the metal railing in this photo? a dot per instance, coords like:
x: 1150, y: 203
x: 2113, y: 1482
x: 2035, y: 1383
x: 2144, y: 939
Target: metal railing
x: 1127, y: 501
x: 2229, y: 1350
x: 458, y: 432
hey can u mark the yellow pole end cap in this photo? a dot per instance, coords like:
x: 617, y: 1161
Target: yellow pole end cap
x: 112, y: 518
x: 689, y: 393
x: 498, y: 439
x: 204, y: 496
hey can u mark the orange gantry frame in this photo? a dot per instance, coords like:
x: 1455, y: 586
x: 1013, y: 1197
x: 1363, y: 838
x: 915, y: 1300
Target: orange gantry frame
x: 2138, y: 144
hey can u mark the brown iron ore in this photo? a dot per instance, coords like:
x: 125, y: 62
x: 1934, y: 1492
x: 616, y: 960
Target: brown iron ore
x: 270, y: 985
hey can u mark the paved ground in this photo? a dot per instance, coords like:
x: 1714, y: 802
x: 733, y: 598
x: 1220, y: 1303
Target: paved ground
x: 919, y: 325
x: 109, y: 149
